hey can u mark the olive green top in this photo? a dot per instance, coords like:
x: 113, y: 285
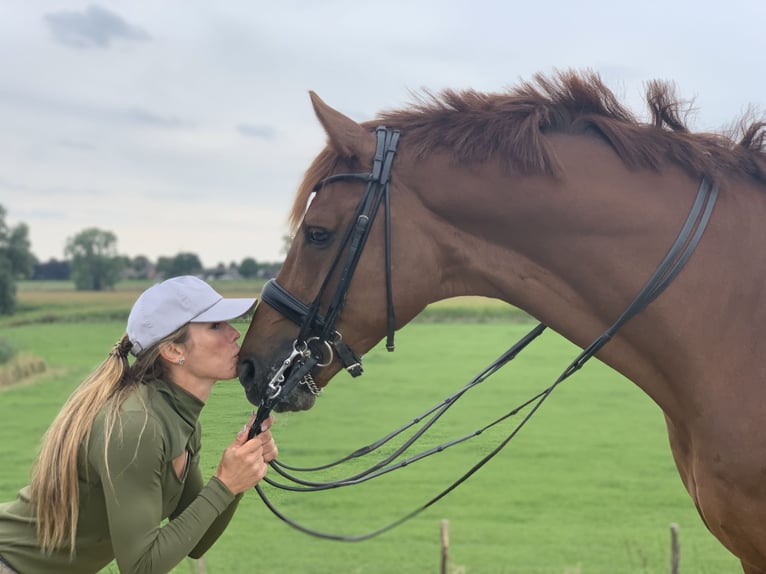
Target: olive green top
x: 122, y: 508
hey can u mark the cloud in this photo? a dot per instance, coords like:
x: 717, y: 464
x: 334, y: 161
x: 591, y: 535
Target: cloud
x: 81, y: 109
x: 76, y: 145
x: 146, y: 117
x: 39, y: 191
x: 258, y: 131
x: 96, y: 27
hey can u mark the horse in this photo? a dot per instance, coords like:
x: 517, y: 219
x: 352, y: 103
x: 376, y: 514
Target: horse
x: 554, y: 197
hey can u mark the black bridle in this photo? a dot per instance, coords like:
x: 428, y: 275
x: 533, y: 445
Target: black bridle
x: 315, y: 327
x: 317, y: 332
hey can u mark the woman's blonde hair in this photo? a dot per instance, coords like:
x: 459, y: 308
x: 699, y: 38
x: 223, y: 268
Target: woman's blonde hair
x: 54, y: 489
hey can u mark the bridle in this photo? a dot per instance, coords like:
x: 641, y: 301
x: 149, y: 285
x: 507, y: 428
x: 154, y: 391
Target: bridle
x: 317, y: 332
x: 315, y: 327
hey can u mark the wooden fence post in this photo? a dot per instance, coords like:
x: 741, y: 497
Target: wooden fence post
x: 675, y: 549
x: 444, y: 545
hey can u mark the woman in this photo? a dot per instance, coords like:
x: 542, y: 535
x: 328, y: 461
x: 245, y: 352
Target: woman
x: 123, y: 453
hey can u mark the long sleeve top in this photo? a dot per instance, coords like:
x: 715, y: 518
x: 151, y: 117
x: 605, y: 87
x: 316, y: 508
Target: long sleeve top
x: 127, y: 493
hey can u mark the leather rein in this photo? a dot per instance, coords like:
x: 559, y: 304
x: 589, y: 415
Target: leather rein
x: 317, y: 333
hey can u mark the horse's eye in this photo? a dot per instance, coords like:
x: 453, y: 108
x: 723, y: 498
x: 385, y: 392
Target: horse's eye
x: 318, y: 236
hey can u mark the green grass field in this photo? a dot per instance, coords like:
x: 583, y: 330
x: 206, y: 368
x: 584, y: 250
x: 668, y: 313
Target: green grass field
x: 587, y: 487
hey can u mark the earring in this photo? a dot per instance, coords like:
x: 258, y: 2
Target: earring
x: 181, y: 361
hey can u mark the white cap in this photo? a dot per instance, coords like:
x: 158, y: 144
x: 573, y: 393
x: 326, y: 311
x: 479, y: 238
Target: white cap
x: 168, y: 306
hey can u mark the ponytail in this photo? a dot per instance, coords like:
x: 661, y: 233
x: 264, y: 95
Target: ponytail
x: 54, y: 489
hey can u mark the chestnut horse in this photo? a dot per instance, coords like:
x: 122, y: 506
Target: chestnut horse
x: 554, y: 198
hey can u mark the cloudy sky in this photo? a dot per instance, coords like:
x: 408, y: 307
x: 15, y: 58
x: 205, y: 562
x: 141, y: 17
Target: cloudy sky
x: 185, y: 125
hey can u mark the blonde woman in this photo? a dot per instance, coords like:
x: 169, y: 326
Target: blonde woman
x: 123, y: 453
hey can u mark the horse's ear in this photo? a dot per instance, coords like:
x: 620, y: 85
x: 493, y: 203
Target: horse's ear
x: 348, y: 138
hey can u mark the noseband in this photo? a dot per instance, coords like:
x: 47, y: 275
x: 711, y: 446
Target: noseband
x: 317, y: 332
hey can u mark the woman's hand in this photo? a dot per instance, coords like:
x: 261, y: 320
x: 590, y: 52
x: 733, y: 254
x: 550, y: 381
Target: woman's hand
x: 244, y: 462
x: 270, y: 451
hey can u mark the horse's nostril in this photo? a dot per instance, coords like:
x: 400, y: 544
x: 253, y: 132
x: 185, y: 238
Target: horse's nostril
x: 246, y: 369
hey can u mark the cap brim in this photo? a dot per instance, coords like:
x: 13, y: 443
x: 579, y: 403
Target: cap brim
x: 225, y: 310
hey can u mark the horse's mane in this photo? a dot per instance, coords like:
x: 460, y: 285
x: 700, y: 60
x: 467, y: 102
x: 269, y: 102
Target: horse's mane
x: 477, y: 126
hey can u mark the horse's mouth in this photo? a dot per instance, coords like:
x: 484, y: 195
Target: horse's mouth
x: 302, y: 397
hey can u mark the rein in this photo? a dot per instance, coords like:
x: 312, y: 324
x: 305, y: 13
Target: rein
x: 315, y: 327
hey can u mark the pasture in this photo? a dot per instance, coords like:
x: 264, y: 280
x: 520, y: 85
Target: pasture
x: 587, y: 487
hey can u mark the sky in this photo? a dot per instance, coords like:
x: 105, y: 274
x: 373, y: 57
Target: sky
x: 186, y: 126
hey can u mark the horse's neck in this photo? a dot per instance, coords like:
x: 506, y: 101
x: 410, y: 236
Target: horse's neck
x: 580, y: 243
x: 574, y: 253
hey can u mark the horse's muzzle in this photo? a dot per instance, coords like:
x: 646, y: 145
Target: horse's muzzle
x: 254, y: 377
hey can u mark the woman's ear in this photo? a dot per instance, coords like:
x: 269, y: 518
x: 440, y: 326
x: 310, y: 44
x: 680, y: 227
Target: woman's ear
x: 171, y: 352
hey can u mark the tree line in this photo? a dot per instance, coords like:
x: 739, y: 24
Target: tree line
x: 92, y: 262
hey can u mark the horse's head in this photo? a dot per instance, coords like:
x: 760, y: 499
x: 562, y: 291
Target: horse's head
x: 335, y: 295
